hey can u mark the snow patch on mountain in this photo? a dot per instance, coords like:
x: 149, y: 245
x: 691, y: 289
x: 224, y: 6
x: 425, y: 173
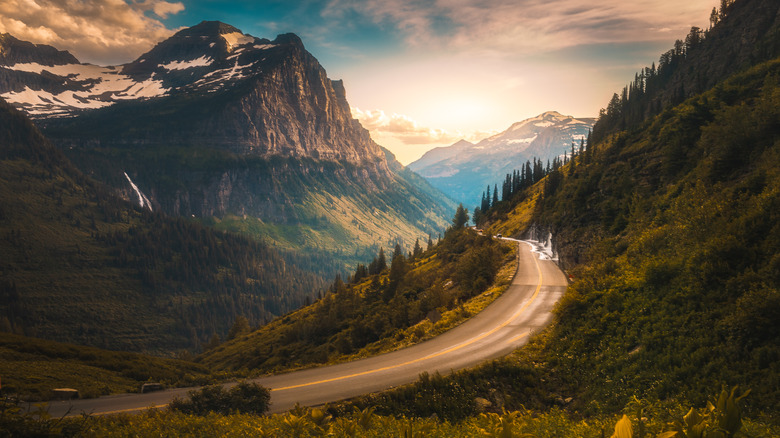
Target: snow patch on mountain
x: 91, y: 87
x: 43, y: 102
x: 523, y: 140
x: 202, y: 61
x: 235, y: 39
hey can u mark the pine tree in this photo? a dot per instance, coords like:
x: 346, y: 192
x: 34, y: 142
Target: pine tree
x: 495, y: 195
x: 381, y: 260
x: 461, y: 217
x: 485, y: 204
x: 714, y: 17
x: 240, y: 327
x: 417, y: 252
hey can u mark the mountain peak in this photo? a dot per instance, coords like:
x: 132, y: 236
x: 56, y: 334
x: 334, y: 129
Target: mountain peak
x: 14, y: 51
x: 209, y: 28
x: 464, y: 169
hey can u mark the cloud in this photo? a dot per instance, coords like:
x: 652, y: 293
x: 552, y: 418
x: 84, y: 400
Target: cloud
x: 403, y: 128
x: 528, y: 26
x: 160, y: 8
x: 105, y: 31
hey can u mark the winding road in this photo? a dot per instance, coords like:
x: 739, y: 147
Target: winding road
x: 500, y: 328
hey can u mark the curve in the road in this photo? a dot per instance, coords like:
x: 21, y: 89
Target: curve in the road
x: 496, y: 331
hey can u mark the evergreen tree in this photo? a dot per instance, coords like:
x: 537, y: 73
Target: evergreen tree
x: 461, y: 217
x: 239, y: 328
x: 485, y: 205
x: 477, y: 216
x: 379, y: 263
x: 398, y: 270
x: 417, y: 252
x: 361, y: 272
x: 714, y: 17
x: 381, y: 260
x: 495, y: 195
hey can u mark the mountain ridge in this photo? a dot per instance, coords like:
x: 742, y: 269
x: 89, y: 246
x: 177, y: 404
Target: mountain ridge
x: 464, y: 169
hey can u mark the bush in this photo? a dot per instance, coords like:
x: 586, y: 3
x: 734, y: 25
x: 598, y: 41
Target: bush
x: 244, y: 398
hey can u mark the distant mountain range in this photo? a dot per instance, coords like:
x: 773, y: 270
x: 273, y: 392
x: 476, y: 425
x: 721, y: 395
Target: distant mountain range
x: 245, y: 133
x: 464, y: 170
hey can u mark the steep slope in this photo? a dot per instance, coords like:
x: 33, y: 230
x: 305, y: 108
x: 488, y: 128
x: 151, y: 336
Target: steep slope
x: 748, y: 32
x: 246, y: 133
x: 670, y: 231
x: 81, y: 265
x: 463, y: 170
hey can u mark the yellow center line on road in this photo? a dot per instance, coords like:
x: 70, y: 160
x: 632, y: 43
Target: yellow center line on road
x: 431, y: 356
x: 518, y: 337
x: 119, y: 411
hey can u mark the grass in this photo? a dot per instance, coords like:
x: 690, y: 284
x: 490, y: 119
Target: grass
x: 31, y: 368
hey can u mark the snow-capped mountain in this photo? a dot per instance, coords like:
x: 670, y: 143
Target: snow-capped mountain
x: 45, y: 82
x: 217, y: 124
x: 463, y: 170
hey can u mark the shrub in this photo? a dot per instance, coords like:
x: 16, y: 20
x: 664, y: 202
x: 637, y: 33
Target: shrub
x: 245, y: 397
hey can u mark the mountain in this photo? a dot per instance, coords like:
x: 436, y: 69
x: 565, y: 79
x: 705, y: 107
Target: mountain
x: 668, y: 228
x: 82, y: 265
x: 463, y: 170
x: 245, y: 134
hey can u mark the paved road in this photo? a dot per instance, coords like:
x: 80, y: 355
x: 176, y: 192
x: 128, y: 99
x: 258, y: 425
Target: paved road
x: 496, y: 331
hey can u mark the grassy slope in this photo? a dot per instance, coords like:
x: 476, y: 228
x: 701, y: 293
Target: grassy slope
x: 362, y: 319
x: 340, y: 219
x: 32, y: 367
x: 680, y: 289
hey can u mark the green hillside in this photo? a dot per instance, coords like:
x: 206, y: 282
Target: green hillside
x: 31, y: 368
x: 670, y: 230
x: 81, y: 265
x: 391, y: 303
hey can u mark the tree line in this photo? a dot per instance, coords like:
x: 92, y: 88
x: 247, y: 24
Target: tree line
x: 515, y: 184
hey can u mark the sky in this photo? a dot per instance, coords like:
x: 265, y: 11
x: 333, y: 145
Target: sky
x: 418, y: 73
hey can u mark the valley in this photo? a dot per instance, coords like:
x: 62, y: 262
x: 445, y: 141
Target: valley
x: 505, y: 325
x: 211, y: 214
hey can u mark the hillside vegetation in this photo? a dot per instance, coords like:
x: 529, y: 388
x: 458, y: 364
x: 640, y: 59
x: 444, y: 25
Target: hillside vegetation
x: 81, y: 265
x: 30, y: 368
x: 382, y: 307
x: 671, y: 232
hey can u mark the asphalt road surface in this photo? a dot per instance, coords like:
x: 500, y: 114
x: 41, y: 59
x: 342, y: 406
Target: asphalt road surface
x: 499, y: 329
